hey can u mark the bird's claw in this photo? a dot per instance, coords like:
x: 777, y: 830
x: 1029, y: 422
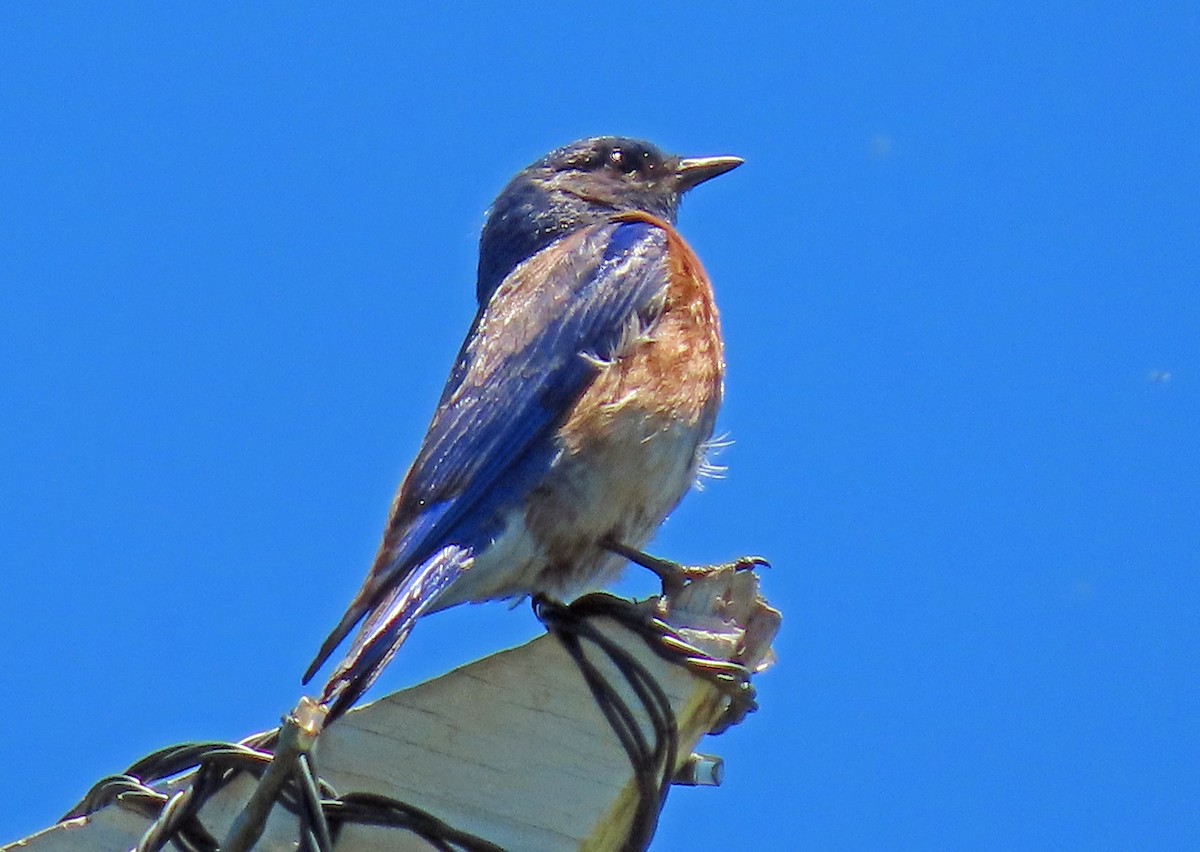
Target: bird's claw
x: 675, y: 576
x: 749, y: 563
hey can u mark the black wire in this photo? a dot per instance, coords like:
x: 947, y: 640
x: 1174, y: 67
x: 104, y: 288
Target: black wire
x: 652, y: 763
x: 320, y: 811
x: 373, y: 809
x: 313, y: 823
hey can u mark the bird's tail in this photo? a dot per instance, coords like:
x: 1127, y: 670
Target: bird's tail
x: 387, y: 625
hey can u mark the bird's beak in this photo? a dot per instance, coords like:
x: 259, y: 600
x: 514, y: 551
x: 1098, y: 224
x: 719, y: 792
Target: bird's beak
x: 696, y: 170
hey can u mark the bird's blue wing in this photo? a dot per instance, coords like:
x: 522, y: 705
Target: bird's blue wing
x: 534, y: 350
x: 531, y: 354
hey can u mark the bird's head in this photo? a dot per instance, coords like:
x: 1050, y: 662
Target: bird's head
x: 580, y: 184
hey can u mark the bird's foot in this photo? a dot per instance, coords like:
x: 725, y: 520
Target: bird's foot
x: 675, y: 576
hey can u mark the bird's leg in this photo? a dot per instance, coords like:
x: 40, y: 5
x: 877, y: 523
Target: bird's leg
x: 675, y: 576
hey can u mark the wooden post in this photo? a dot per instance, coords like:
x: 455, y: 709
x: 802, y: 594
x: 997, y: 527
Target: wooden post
x: 511, y: 748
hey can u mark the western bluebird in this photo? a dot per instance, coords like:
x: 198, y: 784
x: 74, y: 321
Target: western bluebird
x: 577, y: 412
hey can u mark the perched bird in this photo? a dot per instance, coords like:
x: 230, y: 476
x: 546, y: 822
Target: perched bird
x: 577, y: 413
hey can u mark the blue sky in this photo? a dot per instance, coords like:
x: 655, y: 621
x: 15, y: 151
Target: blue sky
x: 959, y: 280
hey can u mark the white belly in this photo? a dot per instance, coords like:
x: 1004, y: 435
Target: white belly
x: 623, y: 487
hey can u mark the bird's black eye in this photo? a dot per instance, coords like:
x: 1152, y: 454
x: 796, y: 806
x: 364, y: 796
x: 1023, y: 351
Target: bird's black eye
x: 624, y: 160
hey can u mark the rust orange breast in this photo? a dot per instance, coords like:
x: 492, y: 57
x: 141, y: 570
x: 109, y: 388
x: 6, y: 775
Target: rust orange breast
x: 672, y: 376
